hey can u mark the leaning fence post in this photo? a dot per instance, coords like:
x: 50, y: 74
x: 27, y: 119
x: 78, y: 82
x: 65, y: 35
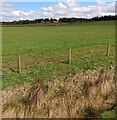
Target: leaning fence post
x: 19, y: 64
x: 70, y: 56
x: 108, y: 49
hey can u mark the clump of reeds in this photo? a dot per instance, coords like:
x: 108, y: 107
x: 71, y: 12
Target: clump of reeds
x: 86, y: 94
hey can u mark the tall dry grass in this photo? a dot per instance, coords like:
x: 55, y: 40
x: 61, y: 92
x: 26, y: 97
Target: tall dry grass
x: 84, y: 95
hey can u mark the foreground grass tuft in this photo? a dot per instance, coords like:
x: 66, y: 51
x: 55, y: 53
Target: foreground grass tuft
x: 84, y: 95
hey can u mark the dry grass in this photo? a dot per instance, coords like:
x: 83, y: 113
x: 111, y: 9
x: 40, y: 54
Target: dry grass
x: 86, y: 94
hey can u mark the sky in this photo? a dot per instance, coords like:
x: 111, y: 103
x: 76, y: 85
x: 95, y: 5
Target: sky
x: 27, y: 9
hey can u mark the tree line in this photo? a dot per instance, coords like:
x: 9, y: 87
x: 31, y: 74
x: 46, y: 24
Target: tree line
x: 61, y: 20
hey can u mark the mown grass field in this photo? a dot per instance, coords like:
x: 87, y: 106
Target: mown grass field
x: 44, y: 51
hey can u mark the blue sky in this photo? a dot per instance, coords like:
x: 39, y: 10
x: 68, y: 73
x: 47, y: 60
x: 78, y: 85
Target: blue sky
x: 36, y: 6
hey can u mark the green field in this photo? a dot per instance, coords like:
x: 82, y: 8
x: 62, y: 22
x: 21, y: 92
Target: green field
x: 44, y: 50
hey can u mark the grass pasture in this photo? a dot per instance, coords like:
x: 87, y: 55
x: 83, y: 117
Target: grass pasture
x: 44, y: 52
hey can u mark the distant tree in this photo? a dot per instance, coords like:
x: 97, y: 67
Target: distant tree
x: 64, y: 20
x: 46, y: 20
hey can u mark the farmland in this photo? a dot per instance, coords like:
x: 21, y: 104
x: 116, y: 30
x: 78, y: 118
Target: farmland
x: 48, y: 47
x: 44, y: 52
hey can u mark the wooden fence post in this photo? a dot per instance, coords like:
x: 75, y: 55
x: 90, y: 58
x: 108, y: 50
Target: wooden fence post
x: 19, y: 64
x: 70, y: 56
x: 108, y: 49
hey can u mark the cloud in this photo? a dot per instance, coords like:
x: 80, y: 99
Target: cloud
x: 70, y: 8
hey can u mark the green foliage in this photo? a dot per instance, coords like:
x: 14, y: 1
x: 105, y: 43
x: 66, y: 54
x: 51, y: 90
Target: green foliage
x: 89, y: 112
x: 110, y: 114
